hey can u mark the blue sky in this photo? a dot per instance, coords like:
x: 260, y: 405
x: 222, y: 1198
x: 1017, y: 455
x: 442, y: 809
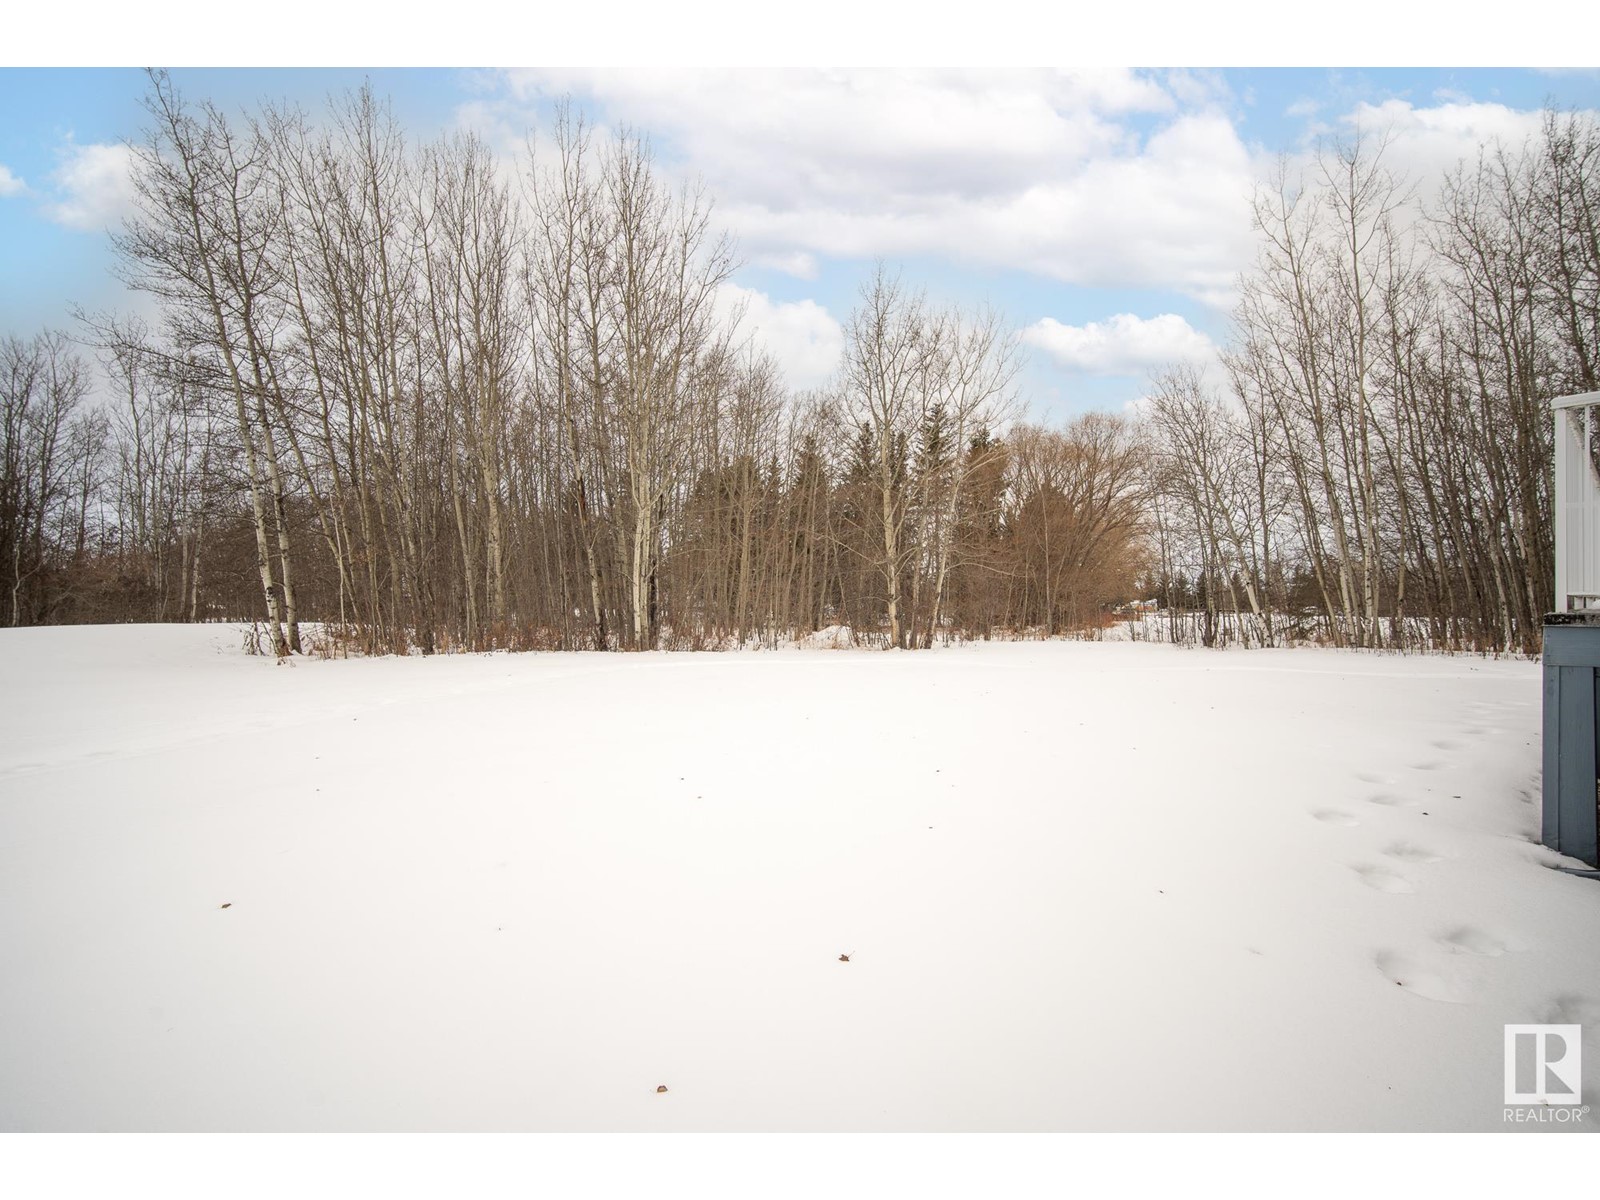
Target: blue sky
x: 1103, y: 212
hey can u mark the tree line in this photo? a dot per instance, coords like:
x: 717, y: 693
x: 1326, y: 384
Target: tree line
x: 1381, y: 462
x: 428, y: 398
x: 440, y: 401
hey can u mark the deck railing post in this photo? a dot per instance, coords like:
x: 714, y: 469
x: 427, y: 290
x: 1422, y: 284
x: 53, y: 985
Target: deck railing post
x: 1571, y: 823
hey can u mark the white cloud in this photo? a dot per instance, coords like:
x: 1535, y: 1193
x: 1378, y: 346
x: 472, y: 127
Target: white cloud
x: 10, y: 185
x: 1427, y: 143
x: 93, y: 186
x: 1091, y: 178
x: 801, y: 335
x: 1422, y: 145
x: 1041, y: 171
x: 797, y: 263
x: 1199, y: 87
x: 1122, y: 345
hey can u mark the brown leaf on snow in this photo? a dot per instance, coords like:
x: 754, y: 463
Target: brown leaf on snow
x: 229, y: 904
x: 844, y: 958
x: 661, y: 1087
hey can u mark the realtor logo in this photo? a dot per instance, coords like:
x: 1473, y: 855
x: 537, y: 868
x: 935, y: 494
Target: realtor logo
x: 1544, y: 1064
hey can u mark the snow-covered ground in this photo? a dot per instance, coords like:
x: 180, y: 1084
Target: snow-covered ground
x: 1080, y: 886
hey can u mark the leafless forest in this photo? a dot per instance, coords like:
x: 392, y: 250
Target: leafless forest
x: 430, y: 398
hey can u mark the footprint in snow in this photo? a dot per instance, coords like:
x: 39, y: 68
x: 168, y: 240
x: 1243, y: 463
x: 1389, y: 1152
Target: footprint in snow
x: 1412, y: 853
x: 1445, y: 744
x: 1573, y: 1008
x: 1390, y: 800
x: 1429, y: 765
x: 1381, y: 879
x: 1334, y: 816
x: 1432, y: 977
x: 1467, y: 940
x: 1370, y: 777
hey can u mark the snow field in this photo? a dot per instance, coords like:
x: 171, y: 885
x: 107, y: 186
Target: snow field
x: 1081, y: 886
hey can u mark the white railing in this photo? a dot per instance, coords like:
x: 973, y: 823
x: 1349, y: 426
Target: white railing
x: 1577, y: 501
